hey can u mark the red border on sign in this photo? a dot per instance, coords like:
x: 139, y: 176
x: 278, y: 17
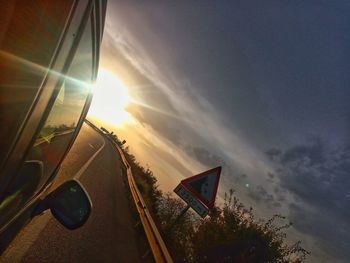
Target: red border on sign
x: 186, y: 183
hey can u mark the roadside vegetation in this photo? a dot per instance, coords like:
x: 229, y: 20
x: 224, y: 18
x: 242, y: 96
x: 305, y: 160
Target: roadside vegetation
x: 230, y: 233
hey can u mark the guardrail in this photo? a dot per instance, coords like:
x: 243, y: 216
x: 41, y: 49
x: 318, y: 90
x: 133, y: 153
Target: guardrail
x: 51, y: 136
x: 158, y: 247
x: 156, y: 243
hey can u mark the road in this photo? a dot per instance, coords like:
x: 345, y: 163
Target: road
x: 109, y: 234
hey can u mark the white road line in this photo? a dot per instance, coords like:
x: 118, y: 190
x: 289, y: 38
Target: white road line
x: 86, y: 165
x: 12, y: 253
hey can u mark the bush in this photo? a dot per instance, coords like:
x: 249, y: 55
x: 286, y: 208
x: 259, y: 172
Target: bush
x: 235, y: 236
x: 229, y: 234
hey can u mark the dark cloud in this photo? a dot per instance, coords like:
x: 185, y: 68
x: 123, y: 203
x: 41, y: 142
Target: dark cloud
x: 268, y: 66
x: 310, y: 155
x: 270, y: 178
x: 277, y: 204
x: 280, y: 193
x: 242, y: 177
x: 331, y: 234
x: 271, y: 175
x: 273, y: 153
x: 207, y: 158
x: 260, y: 194
x: 230, y: 171
x: 162, y: 124
x: 319, y: 178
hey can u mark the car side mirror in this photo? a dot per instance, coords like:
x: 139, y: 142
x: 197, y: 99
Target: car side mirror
x: 69, y: 203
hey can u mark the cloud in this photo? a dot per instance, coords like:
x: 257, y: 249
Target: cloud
x: 273, y: 153
x: 280, y: 193
x: 186, y: 117
x: 204, y: 156
x: 277, y: 204
x: 271, y: 175
x: 311, y: 154
x: 160, y: 123
x: 235, y: 103
x: 177, y: 112
x: 260, y: 194
x: 319, y: 180
x: 331, y: 234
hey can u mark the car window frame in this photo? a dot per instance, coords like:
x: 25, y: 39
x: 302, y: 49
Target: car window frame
x: 36, y: 118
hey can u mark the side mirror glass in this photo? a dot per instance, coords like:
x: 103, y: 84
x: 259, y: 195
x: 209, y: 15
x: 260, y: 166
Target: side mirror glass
x: 70, y: 204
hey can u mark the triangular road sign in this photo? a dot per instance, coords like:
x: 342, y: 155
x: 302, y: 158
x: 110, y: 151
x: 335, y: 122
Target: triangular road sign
x: 204, y: 186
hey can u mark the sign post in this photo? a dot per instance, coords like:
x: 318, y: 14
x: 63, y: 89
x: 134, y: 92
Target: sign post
x: 199, y: 192
x: 191, y: 201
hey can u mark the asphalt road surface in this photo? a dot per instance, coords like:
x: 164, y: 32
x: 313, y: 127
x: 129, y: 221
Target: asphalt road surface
x: 109, y: 234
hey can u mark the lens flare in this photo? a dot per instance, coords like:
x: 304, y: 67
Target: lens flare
x: 110, y: 99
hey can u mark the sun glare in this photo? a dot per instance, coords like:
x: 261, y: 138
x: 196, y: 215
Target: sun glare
x: 110, y: 98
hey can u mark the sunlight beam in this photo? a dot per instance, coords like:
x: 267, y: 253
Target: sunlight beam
x: 110, y: 99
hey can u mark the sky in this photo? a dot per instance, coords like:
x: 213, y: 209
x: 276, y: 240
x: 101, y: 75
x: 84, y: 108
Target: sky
x: 258, y: 87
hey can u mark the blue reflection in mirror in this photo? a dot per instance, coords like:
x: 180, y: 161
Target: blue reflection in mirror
x: 70, y: 204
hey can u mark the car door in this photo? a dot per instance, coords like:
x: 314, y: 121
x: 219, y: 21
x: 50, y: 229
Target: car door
x: 55, y: 116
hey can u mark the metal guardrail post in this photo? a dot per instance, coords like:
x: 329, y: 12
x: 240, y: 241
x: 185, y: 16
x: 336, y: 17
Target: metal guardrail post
x: 157, y: 245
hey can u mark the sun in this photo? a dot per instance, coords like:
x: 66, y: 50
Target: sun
x: 110, y: 98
